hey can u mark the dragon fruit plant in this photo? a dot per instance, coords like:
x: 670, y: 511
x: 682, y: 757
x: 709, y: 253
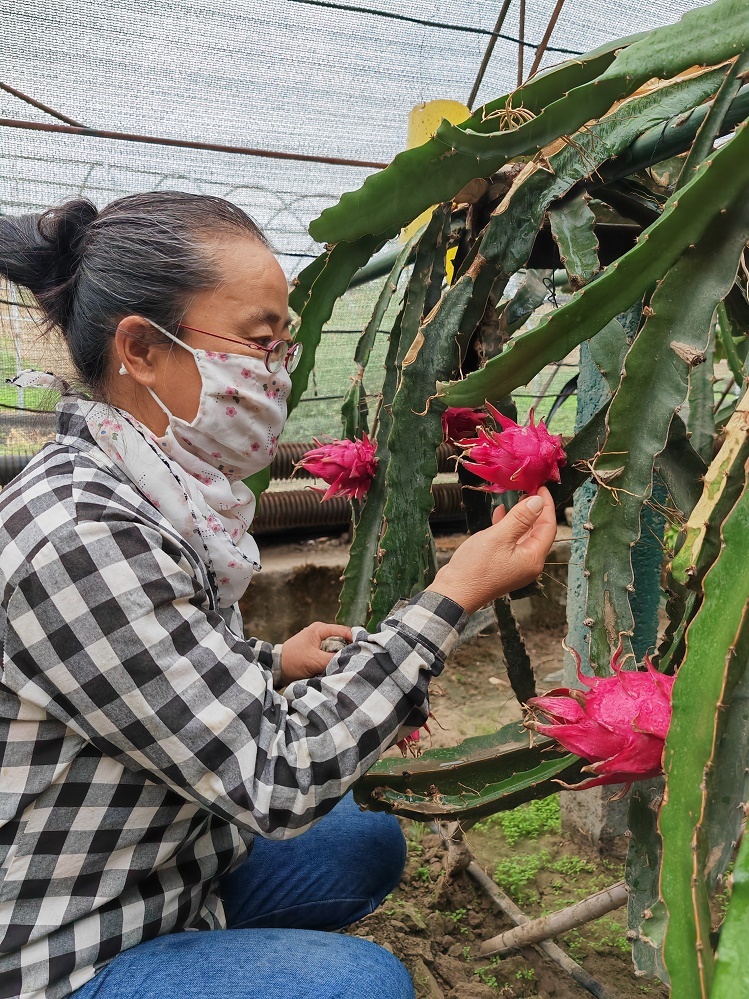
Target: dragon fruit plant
x: 620, y: 140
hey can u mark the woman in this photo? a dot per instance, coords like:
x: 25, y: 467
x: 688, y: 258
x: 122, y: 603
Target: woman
x: 146, y: 744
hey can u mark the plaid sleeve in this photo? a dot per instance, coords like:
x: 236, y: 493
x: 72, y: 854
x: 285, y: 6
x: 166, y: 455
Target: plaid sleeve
x: 113, y: 632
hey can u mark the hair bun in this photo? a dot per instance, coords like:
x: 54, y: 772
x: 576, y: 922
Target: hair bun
x: 64, y: 229
x: 43, y: 253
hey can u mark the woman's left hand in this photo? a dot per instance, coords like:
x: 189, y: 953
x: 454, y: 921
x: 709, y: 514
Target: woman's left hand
x: 301, y: 655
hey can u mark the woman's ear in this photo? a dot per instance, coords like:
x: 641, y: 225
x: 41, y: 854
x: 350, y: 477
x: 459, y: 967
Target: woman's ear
x: 137, y: 353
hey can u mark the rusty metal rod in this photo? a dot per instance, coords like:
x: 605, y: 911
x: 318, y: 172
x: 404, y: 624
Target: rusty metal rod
x: 547, y: 36
x: 214, y: 147
x: 521, y: 41
x: 488, y: 53
x: 38, y: 104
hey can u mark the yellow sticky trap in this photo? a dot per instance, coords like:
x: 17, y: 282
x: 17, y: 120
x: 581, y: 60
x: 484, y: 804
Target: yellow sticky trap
x: 423, y: 121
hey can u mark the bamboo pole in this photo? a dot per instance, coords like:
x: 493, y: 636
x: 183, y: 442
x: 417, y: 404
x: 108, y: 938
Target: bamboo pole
x: 536, y: 930
x: 505, y: 904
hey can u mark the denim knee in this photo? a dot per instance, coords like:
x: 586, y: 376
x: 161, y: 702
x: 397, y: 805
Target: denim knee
x: 377, y: 967
x: 383, y: 847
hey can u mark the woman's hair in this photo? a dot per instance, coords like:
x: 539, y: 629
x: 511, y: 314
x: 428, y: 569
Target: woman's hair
x: 145, y: 254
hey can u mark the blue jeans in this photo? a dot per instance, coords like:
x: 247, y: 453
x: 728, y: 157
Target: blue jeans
x: 278, y: 904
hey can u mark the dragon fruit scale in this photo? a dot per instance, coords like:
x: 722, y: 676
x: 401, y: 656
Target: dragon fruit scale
x: 619, y: 723
x: 518, y: 458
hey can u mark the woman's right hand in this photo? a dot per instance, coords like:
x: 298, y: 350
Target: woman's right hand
x: 504, y: 557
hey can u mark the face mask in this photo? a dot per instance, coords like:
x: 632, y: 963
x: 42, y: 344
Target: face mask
x: 242, y: 411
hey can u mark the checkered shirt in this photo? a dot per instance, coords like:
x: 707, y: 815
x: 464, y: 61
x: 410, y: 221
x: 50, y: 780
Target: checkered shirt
x: 143, y: 742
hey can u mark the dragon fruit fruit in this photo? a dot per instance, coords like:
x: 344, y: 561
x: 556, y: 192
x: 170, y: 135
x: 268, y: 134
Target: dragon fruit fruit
x: 619, y: 723
x: 519, y: 458
x: 457, y: 421
x: 347, y: 466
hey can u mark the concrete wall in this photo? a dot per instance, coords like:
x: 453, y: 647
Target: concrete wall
x: 299, y: 583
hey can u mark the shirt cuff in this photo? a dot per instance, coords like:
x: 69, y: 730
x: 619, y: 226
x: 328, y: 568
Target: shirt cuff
x: 276, y: 667
x: 432, y: 622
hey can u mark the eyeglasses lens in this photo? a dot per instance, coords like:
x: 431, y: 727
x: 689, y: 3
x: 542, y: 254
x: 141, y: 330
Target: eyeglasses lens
x: 277, y: 356
x: 293, y: 356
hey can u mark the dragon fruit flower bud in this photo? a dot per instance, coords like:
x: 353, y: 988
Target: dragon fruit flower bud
x: 619, y: 723
x: 347, y: 466
x: 457, y: 421
x: 519, y: 458
x: 410, y: 743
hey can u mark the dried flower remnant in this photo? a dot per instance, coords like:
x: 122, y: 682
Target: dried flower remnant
x: 347, y: 466
x: 457, y: 421
x: 411, y: 743
x: 518, y: 458
x: 619, y: 723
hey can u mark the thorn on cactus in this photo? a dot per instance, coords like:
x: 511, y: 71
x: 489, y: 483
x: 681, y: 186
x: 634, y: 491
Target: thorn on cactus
x: 619, y: 723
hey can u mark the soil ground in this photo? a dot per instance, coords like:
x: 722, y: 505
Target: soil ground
x: 436, y: 926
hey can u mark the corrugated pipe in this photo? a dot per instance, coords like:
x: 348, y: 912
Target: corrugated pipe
x: 281, y: 468
x: 301, y: 508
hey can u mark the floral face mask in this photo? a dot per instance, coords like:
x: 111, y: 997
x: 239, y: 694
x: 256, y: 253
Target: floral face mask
x: 242, y: 411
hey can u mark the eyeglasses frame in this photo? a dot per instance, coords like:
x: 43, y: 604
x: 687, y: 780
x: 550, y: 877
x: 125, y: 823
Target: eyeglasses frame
x: 293, y: 350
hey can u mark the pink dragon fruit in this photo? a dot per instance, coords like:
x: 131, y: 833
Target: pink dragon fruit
x: 347, y: 466
x: 457, y: 421
x: 619, y: 723
x: 520, y: 458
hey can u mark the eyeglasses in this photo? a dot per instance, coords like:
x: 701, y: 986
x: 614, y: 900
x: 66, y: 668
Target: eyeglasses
x: 280, y: 353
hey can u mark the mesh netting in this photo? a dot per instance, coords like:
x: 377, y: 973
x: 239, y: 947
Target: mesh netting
x: 314, y: 77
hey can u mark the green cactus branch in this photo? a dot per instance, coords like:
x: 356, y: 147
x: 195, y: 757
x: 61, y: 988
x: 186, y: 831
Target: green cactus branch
x: 322, y: 284
x: 478, y: 777
x: 719, y: 181
x: 413, y: 441
x: 511, y: 232
x: 653, y: 386
x: 429, y: 174
x: 353, y: 408
x: 573, y: 229
x: 732, y: 968
x: 428, y: 271
x: 356, y: 590
x: 711, y: 127
x: 646, y: 913
x: 726, y: 332
x: 437, y: 170
x: 717, y: 655
x: 721, y: 486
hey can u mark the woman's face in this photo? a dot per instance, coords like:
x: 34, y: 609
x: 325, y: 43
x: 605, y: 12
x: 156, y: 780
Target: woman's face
x: 250, y: 305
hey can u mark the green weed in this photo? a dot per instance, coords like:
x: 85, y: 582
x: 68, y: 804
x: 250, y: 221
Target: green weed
x: 527, y: 821
x: 485, y: 975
